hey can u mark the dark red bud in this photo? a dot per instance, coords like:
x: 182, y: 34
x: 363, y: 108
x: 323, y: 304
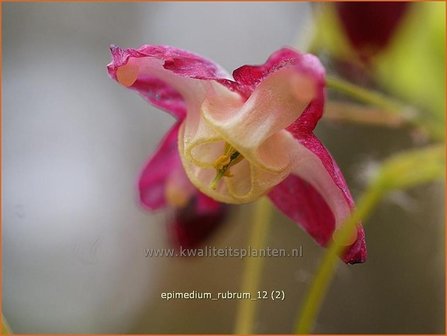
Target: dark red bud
x: 370, y: 26
x: 191, y: 227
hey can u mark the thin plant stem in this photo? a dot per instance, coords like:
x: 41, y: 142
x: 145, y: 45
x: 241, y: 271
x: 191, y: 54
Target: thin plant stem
x: 325, y: 273
x: 361, y: 114
x: 253, y: 266
x: 366, y: 95
x: 394, y: 108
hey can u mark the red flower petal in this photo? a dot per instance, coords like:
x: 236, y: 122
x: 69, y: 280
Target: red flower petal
x: 200, y: 216
x: 160, y: 74
x: 308, y: 120
x: 153, y: 179
x: 300, y: 201
x: 161, y: 95
x: 249, y: 76
x: 317, y: 197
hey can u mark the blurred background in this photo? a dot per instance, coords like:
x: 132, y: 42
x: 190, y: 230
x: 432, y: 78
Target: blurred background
x: 74, y: 142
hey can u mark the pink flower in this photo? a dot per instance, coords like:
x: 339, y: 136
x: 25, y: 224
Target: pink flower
x: 240, y: 138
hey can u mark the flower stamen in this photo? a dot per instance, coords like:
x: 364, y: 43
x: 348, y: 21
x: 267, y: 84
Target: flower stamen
x: 223, y: 164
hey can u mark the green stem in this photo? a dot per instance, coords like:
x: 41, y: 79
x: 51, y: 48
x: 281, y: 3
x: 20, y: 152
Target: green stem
x: 361, y: 114
x: 320, y: 284
x: 253, y: 266
x: 423, y: 122
x: 364, y: 95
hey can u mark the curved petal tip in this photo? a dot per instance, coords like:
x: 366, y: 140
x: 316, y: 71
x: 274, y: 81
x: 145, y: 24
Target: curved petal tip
x: 357, y: 252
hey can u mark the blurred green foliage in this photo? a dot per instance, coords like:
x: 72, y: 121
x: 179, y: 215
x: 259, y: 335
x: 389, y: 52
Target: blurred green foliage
x: 411, y: 68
